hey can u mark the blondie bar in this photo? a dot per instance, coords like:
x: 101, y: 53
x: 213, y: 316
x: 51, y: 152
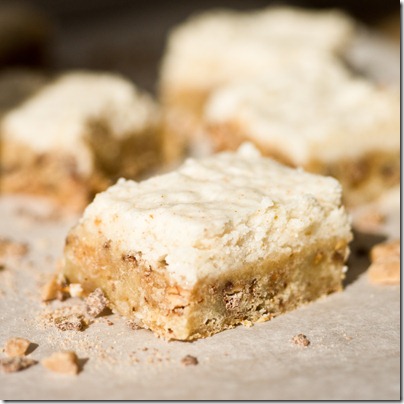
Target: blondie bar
x: 222, y: 46
x: 75, y: 135
x: 320, y: 118
x: 231, y: 239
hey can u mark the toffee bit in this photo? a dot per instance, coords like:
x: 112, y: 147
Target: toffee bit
x: 69, y: 323
x: 385, y: 267
x: 11, y: 365
x: 189, y: 360
x: 55, y: 288
x: 96, y: 302
x: 16, y: 347
x: 133, y: 325
x: 65, y: 362
x: 301, y: 339
x: 10, y: 248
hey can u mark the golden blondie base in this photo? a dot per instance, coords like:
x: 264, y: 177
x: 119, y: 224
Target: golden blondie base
x: 363, y: 179
x: 253, y: 294
x: 55, y: 175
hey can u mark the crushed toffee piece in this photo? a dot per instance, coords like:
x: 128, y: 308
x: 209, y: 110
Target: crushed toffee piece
x: 385, y: 267
x: 11, y: 365
x: 189, y: 360
x: 68, y: 323
x: 301, y: 339
x: 133, y: 325
x: 16, y: 347
x: 55, y: 288
x: 96, y: 303
x: 65, y: 362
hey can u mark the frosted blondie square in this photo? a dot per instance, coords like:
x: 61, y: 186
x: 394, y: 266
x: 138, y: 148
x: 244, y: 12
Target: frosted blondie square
x: 75, y: 135
x: 320, y: 118
x: 222, y: 46
x: 234, y: 238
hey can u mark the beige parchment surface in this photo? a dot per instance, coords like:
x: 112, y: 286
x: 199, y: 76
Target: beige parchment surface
x: 355, y: 335
x: 354, y: 351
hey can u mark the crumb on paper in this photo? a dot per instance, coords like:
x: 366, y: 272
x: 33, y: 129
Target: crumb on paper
x: 15, y: 364
x: 189, y: 360
x: 301, y: 340
x: 55, y: 288
x: 133, y: 325
x: 96, y: 303
x: 75, y: 290
x: 385, y: 266
x: 370, y: 220
x: 9, y: 247
x: 49, y: 318
x: 16, y: 347
x: 72, y: 322
x: 65, y: 362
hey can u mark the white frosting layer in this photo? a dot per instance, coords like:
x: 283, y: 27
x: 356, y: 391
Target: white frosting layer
x: 314, y: 112
x: 222, y: 46
x: 57, y: 117
x: 219, y: 214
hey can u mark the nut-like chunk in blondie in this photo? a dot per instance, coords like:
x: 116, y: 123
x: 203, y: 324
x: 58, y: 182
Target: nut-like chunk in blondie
x: 234, y: 238
x: 76, y: 134
x: 320, y: 118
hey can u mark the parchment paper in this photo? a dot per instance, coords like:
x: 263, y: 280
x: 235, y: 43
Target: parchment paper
x: 355, y: 335
x: 354, y: 351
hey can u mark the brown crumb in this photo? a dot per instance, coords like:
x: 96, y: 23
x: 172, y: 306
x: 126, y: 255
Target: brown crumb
x: 55, y: 288
x: 385, y: 267
x: 96, y: 303
x: 65, y: 362
x: 189, y: 360
x: 11, y: 365
x: 50, y: 290
x: 301, y: 339
x: 16, y: 347
x: 68, y: 323
x: 133, y: 325
x: 10, y: 249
